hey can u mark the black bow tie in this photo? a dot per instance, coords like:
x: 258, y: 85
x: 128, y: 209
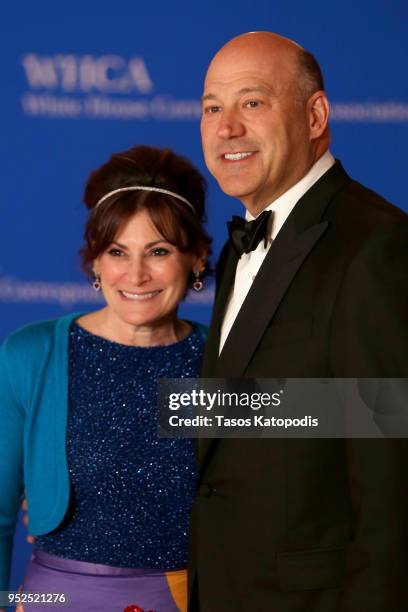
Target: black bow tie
x: 246, y: 235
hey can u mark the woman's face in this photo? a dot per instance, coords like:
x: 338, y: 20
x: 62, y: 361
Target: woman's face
x: 143, y: 277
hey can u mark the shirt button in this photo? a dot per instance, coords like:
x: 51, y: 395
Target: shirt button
x: 205, y: 490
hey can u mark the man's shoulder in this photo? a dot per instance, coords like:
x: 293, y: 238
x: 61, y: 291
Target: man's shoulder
x: 360, y: 209
x: 373, y: 202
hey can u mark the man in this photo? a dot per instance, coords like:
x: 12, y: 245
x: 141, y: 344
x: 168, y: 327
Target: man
x: 307, y: 525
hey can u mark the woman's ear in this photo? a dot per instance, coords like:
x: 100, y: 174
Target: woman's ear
x: 96, y: 267
x: 200, y: 263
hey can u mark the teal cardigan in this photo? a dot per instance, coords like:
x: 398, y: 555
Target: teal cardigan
x: 33, y: 418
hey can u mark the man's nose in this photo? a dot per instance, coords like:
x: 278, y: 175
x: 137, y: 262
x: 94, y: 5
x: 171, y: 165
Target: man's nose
x: 230, y: 125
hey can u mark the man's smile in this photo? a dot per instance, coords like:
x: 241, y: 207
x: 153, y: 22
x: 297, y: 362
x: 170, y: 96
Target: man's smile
x: 237, y: 156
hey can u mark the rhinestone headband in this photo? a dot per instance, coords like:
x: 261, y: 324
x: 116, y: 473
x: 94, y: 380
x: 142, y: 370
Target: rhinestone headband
x: 143, y: 188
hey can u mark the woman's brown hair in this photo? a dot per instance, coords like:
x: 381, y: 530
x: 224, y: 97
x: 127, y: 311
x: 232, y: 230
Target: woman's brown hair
x: 145, y: 166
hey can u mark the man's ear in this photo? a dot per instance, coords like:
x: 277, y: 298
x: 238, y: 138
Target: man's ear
x: 318, y: 112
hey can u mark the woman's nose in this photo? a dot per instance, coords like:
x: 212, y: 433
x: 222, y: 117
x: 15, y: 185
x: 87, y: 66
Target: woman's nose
x: 138, y: 271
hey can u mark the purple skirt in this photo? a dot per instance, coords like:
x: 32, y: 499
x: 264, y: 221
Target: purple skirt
x: 91, y: 587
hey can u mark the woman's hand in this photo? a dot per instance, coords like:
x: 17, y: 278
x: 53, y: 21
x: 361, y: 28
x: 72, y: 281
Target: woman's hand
x: 19, y: 606
x: 30, y: 539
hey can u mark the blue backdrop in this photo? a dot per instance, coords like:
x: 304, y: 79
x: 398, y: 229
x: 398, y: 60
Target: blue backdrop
x: 81, y: 80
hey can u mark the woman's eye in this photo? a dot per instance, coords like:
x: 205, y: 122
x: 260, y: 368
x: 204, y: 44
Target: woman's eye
x: 159, y: 252
x: 115, y: 252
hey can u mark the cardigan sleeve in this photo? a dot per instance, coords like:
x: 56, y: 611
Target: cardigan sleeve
x: 11, y: 462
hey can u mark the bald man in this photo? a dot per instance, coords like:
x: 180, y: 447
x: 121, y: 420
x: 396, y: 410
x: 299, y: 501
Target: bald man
x: 318, y: 290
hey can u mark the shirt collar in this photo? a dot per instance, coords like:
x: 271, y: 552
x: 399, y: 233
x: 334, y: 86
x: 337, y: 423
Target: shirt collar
x: 282, y: 206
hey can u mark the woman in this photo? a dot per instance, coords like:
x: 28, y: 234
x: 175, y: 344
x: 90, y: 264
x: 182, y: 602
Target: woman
x: 109, y: 501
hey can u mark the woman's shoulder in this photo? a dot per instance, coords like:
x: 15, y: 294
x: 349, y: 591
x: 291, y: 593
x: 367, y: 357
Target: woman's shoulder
x: 203, y: 329
x: 33, y: 336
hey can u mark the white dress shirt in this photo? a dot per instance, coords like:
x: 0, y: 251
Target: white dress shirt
x: 249, y: 263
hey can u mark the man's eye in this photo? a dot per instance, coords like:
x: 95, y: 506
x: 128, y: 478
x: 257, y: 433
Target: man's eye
x: 211, y: 110
x: 159, y: 252
x: 252, y: 103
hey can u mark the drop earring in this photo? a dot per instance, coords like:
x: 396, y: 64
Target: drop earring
x: 198, y: 284
x: 97, y: 283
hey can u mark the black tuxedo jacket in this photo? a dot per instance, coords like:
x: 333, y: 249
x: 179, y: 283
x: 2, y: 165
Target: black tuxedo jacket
x: 310, y: 525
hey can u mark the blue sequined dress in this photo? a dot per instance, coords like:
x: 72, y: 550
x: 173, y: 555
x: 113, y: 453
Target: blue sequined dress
x: 131, y: 492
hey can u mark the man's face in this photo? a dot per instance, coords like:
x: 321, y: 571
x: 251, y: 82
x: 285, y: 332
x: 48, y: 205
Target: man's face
x: 255, y: 128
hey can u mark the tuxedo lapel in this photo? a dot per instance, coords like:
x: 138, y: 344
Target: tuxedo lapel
x: 227, y: 276
x: 227, y: 266
x: 285, y: 257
